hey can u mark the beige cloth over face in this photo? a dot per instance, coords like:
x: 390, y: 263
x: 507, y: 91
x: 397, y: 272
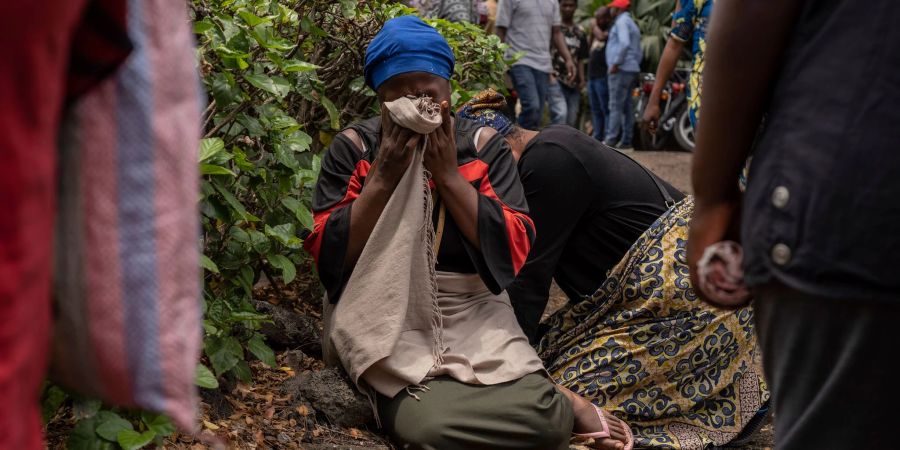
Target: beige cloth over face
x: 398, y: 322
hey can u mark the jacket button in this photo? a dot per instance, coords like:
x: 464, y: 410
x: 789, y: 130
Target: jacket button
x: 781, y: 254
x: 780, y: 197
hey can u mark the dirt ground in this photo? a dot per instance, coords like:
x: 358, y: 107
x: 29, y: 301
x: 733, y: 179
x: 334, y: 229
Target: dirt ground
x: 673, y: 166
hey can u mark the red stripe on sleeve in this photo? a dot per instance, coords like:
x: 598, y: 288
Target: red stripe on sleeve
x: 517, y: 223
x: 313, y: 242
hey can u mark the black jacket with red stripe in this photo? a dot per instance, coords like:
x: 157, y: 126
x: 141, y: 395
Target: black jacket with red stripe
x: 504, y: 228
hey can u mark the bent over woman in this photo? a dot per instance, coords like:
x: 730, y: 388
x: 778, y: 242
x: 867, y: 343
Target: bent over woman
x: 634, y: 338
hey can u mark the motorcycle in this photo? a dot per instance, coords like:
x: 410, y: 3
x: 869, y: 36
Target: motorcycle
x: 674, y: 118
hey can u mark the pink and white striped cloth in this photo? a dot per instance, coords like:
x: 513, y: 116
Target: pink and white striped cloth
x: 128, y: 325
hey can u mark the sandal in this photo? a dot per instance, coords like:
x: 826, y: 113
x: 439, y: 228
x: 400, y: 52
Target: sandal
x: 629, y: 438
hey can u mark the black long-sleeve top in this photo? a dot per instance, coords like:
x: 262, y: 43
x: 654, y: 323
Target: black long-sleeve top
x: 504, y: 229
x: 589, y: 204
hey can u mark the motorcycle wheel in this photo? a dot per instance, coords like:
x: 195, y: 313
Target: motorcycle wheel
x: 684, y: 131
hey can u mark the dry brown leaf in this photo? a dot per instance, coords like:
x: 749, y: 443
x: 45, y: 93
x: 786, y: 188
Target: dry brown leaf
x: 270, y: 413
x: 355, y: 434
x: 210, y: 426
x: 303, y: 410
x: 248, y: 420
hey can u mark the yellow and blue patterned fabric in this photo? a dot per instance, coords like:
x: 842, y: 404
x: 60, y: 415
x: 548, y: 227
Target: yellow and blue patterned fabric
x: 690, y: 24
x: 683, y: 374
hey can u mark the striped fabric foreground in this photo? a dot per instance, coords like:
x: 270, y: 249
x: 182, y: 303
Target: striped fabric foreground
x: 128, y: 325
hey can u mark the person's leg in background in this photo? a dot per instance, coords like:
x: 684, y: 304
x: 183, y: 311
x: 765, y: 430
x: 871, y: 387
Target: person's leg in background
x: 573, y: 104
x: 530, y: 95
x: 617, y: 97
x: 597, y: 117
x: 629, y: 79
x: 542, y: 82
x: 556, y: 99
x: 32, y: 92
x: 828, y: 362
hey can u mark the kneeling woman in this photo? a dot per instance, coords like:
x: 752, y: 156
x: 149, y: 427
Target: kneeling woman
x: 416, y: 267
x: 634, y: 338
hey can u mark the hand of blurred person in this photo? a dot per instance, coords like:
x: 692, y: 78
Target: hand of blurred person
x: 614, y: 68
x: 650, y: 119
x: 712, y: 222
x: 570, y: 71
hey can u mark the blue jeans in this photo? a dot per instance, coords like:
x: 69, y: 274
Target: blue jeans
x: 573, y: 104
x: 557, y: 101
x: 620, y: 129
x: 598, y: 96
x: 531, y: 85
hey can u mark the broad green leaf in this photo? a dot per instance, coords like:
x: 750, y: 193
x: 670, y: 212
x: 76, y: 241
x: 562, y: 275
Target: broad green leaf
x: 52, y: 398
x: 235, y: 204
x: 208, y: 264
x: 209, y: 147
x: 250, y: 18
x: 242, y: 371
x: 83, y: 437
x: 288, y: 271
x: 132, y: 440
x: 303, y: 214
x: 224, y: 90
x: 294, y: 65
x: 275, y: 85
x: 259, y: 241
x: 224, y: 353
x: 242, y: 316
x: 298, y: 141
x: 348, y: 8
x: 110, y: 427
x: 205, y: 378
x: 210, y: 169
x: 332, y: 113
x: 158, y: 423
x: 284, y: 233
x: 203, y: 26
x: 239, y: 234
x: 258, y: 347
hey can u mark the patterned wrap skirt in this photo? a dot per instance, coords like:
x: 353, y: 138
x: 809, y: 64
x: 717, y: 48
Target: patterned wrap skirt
x: 683, y: 374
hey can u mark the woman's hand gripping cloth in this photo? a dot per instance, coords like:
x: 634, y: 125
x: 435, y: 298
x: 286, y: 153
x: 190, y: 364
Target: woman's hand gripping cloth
x: 721, y: 276
x: 395, y: 271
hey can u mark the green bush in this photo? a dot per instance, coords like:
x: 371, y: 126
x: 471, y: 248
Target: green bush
x: 283, y: 77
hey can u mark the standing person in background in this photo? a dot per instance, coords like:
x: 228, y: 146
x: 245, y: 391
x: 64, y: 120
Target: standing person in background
x: 623, y: 56
x: 490, y: 12
x: 565, y: 96
x: 598, y: 86
x: 689, y: 24
x: 529, y: 26
x: 819, y: 217
x: 452, y: 10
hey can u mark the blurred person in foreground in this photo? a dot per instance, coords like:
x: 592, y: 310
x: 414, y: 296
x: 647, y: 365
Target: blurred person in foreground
x: 531, y: 27
x: 598, y: 84
x: 690, y: 24
x: 633, y: 332
x: 623, y: 57
x: 565, y: 96
x: 818, y: 222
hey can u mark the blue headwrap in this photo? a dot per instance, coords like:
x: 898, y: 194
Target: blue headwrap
x: 406, y: 44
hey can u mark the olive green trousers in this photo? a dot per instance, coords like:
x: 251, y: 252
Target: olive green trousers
x: 525, y: 414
